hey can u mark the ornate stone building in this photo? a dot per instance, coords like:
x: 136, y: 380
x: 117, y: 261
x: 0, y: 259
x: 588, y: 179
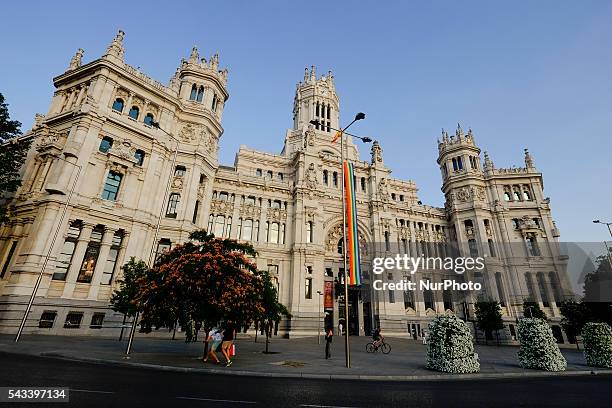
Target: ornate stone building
x: 118, y: 149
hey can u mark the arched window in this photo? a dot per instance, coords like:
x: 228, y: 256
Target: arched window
x: 148, y: 119
x: 118, y: 105
x: 247, y: 230
x: 363, y: 184
x: 341, y: 246
x: 194, y: 92
x: 215, y: 101
x: 507, y: 196
x: 526, y: 195
x: 325, y: 177
x: 139, y: 156
x: 455, y: 164
x: 335, y: 179
x: 219, y: 226
x: 515, y: 223
x: 105, y: 144
x: 134, y: 112
x: 274, y: 232
x: 200, y: 94
x: 516, y: 195
x: 173, y: 202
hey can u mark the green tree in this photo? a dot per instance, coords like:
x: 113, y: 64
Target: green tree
x: 122, y: 300
x: 598, y: 291
x: 575, y: 316
x: 532, y: 309
x: 203, y: 281
x: 488, y: 317
x: 13, y: 152
x: 273, y: 310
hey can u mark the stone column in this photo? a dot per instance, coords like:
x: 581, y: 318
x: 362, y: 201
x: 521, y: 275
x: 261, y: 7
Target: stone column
x: 77, y: 258
x: 105, y: 245
x: 551, y: 295
x: 79, y: 98
x: 70, y: 99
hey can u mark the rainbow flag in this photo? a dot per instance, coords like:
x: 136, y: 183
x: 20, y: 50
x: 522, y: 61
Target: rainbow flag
x: 352, y: 237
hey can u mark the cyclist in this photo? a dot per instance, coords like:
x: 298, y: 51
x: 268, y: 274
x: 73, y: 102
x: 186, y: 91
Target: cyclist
x: 377, y: 337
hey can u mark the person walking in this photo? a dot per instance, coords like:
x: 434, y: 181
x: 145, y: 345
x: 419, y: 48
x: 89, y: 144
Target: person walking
x: 214, y: 339
x: 229, y: 333
x: 328, y: 340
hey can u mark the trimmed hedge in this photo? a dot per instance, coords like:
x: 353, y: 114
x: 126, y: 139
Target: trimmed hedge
x: 597, y: 338
x: 539, y: 349
x: 449, y: 346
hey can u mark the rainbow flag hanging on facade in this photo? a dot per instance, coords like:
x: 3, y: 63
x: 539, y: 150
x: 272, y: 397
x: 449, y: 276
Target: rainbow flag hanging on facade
x: 352, y: 237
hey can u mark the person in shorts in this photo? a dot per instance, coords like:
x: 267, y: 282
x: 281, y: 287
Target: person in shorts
x: 214, y: 339
x: 229, y: 333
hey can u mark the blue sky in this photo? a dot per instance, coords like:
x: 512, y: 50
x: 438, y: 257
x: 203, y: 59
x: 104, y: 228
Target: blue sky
x: 521, y: 74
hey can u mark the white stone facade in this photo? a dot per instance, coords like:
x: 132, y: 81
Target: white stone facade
x: 110, y: 121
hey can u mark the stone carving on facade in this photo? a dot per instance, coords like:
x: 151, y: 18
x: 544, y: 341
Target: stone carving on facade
x: 311, y: 177
x: 383, y: 190
x: 177, y: 183
x: 480, y: 193
x: 488, y: 163
x: 309, y: 136
x: 221, y: 207
x: 250, y: 211
x: 335, y: 234
x: 463, y: 194
x: 311, y: 213
x: 208, y: 141
x: 376, y: 152
x: 276, y: 214
x: 75, y: 62
x: 50, y: 139
x: 529, y: 160
x: 124, y: 150
x: 115, y: 49
x: 188, y: 133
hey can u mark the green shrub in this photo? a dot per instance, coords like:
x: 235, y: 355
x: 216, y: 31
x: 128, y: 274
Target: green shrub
x: 449, y: 346
x: 597, y: 338
x: 539, y: 349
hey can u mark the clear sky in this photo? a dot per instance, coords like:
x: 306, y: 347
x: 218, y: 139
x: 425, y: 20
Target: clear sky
x: 534, y: 74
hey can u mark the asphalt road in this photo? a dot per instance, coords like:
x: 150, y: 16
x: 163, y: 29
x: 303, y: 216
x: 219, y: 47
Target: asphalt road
x: 98, y: 385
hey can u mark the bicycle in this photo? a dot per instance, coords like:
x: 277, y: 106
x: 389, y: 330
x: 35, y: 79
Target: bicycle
x: 372, y: 347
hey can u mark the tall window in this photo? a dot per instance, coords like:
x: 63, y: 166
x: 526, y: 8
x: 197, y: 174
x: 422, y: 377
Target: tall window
x: 111, y: 260
x: 256, y: 231
x: 507, y: 196
x: 341, y: 246
x: 542, y: 288
x: 247, y: 230
x: 526, y: 195
x: 194, y: 219
x: 532, y: 245
x: 335, y: 178
x: 447, y: 298
x: 473, y: 247
x: 309, y: 232
x: 219, y: 226
x: 228, y: 228
x: 391, y: 292
x: 387, y: 241
x: 163, y: 246
x: 325, y: 177
x: 492, y: 248
x: 194, y: 92
x: 91, y: 255
x: 179, y: 171
x: 428, y: 298
x: 134, y: 112
x: 408, y: 299
x: 139, y: 156
x: 516, y: 195
x: 9, y: 258
x: 200, y: 94
x: 258, y: 172
x: 118, y: 105
x: 148, y: 119
x: 173, y: 203
x: 64, y: 259
x: 274, y: 232
x: 308, y: 288
x: 215, y: 102
x: 105, y: 144
x: 363, y: 184
x: 111, y: 186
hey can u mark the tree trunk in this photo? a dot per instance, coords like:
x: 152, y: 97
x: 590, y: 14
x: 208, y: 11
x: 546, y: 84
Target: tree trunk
x: 122, y: 325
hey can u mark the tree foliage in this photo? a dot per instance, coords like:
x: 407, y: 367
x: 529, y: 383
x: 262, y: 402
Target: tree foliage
x: 273, y: 311
x: 122, y: 300
x: 575, y: 316
x: 532, y: 309
x: 201, y: 283
x: 488, y: 316
x: 598, y: 291
x: 13, y: 152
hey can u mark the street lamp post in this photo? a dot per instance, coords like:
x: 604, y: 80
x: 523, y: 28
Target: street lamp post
x: 319, y: 319
x: 607, y: 224
x: 46, y: 261
x: 359, y: 116
x: 159, y: 218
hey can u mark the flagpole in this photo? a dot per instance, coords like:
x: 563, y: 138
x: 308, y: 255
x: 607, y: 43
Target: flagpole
x: 359, y: 116
x: 347, y: 352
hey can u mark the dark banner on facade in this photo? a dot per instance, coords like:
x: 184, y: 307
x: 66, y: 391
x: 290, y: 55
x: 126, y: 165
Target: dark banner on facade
x: 329, y: 295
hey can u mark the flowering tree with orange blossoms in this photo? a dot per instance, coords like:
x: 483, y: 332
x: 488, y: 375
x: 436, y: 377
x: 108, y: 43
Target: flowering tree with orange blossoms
x: 205, y: 280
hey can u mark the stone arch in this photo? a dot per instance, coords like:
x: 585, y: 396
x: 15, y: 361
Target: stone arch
x: 334, y: 233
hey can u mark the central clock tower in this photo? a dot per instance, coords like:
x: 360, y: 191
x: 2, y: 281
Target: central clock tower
x: 316, y: 98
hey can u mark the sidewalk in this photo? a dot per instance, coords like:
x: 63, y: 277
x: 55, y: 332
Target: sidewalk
x: 291, y: 358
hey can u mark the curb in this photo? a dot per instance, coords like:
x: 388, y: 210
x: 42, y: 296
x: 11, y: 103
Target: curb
x: 341, y: 377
